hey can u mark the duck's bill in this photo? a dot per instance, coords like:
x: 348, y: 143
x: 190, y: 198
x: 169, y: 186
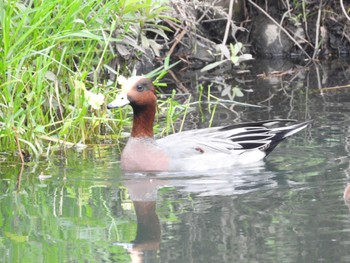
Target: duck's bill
x: 120, y: 101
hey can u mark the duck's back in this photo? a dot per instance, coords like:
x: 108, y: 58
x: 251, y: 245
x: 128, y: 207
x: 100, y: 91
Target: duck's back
x: 219, y: 147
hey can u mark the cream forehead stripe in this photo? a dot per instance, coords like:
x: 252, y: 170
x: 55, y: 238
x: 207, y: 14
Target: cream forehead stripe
x: 122, y: 99
x: 130, y: 82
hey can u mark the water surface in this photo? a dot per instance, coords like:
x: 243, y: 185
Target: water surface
x: 79, y: 207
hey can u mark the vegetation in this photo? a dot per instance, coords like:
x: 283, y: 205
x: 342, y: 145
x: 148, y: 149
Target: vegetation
x: 60, y: 59
x: 53, y: 59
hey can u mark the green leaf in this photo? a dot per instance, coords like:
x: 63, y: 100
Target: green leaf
x: 237, y: 92
x: 67, y: 125
x: 235, y: 48
x: 39, y: 129
x: 235, y: 60
x: 16, y: 238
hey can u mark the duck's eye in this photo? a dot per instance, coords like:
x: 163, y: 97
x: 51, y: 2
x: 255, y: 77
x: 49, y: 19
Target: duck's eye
x: 140, y: 88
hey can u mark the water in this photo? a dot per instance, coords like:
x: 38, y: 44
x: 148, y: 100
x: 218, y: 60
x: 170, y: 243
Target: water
x: 79, y: 206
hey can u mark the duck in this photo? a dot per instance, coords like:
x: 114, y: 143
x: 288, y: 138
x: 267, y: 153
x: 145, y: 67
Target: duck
x: 193, y: 150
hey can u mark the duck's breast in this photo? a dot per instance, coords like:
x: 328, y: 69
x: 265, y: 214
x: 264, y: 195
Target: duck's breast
x: 143, y: 154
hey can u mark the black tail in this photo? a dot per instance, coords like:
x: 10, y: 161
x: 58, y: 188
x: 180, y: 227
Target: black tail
x: 264, y: 135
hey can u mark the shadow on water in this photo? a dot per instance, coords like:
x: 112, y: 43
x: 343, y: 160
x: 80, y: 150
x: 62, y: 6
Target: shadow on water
x: 289, y: 208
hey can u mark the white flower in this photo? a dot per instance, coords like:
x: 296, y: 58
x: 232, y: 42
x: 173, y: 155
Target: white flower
x: 121, y: 80
x: 94, y: 100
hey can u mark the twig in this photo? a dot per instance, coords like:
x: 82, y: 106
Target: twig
x: 306, y: 29
x: 228, y: 25
x: 298, y: 36
x: 214, y: 20
x: 336, y: 87
x: 58, y: 100
x: 178, y: 38
x: 19, y: 178
x: 176, y: 27
x: 205, y: 12
x: 178, y: 82
x: 317, y: 30
x: 344, y: 10
x: 318, y: 76
x: 276, y: 23
x: 18, y: 146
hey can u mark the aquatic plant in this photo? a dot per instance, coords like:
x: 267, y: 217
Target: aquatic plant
x: 234, y: 55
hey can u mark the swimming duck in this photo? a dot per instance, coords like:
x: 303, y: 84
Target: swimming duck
x: 202, y: 149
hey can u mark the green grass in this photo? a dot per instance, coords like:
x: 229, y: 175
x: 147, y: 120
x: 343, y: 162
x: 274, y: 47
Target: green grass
x: 54, y: 57
x: 56, y: 72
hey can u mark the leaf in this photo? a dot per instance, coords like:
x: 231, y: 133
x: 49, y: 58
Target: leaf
x: 224, y: 50
x: 35, y: 150
x: 80, y: 34
x: 155, y: 47
x: 245, y: 57
x: 167, y: 62
x: 79, y: 21
x: 39, y: 129
x: 123, y: 51
x: 79, y: 84
x: 113, y: 71
x: 144, y: 41
x: 132, y: 42
x: 15, y: 237
x: 66, y: 127
x: 50, y: 75
x: 226, y: 91
x: 235, y: 48
x: 159, y: 32
x: 213, y: 65
x: 162, y: 70
x: 235, y: 60
x: 236, y: 92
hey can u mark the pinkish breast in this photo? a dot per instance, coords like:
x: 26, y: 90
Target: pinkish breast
x: 142, y: 154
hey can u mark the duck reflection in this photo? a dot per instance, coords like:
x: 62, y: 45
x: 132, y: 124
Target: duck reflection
x: 143, y: 193
x: 148, y: 227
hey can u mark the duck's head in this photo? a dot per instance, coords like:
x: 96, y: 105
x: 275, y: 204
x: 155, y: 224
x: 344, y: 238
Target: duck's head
x: 138, y: 91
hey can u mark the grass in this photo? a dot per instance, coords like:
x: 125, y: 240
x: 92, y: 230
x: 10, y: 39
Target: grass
x: 57, y: 73
x: 54, y: 58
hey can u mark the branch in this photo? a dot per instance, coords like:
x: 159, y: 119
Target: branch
x: 344, y: 10
x: 281, y: 28
x: 318, y: 22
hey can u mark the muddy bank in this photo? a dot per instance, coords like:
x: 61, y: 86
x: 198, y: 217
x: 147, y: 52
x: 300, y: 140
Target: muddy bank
x: 318, y: 29
x: 204, y: 33
x: 268, y: 29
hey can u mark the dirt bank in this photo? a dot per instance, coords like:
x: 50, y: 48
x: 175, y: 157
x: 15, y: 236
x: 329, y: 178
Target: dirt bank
x: 313, y: 29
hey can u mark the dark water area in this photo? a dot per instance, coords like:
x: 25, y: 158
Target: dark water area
x: 79, y: 206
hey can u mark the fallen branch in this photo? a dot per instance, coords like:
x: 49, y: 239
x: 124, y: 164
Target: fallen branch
x: 336, y: 87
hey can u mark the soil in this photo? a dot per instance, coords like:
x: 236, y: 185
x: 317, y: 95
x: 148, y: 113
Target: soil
x: 298, y: 30
x: 307, y: 29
